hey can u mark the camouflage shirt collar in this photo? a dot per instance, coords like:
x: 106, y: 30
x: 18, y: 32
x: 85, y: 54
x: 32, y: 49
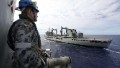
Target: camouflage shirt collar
x: 22, y: 16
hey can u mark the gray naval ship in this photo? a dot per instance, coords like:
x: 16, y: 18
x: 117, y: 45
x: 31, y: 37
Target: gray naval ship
x: 7, y: 9
x: 72, y: 37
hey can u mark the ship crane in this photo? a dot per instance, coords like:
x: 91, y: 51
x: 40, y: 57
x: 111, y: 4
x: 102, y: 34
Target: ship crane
x: 54, y: 30
x: 69, y: 32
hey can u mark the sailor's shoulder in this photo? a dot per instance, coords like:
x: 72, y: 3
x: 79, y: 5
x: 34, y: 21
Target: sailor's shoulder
x: 24, y: 23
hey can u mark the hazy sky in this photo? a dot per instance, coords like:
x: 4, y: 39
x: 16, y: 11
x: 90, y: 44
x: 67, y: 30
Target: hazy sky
x: 87, y: 16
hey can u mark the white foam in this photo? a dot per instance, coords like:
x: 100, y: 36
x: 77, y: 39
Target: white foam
x: 113, y: 51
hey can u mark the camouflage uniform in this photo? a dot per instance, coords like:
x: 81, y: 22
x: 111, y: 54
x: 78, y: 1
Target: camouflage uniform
x: 25, y: 36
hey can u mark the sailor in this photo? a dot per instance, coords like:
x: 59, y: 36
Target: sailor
x: 24, y: 39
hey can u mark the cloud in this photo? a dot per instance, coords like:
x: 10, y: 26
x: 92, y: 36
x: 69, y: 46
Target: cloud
x: 88, y: 16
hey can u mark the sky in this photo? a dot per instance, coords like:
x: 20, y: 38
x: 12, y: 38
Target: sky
x: 91, y: 17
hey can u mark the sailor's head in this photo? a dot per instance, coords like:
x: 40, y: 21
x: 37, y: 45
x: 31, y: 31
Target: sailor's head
x: 29, y: 8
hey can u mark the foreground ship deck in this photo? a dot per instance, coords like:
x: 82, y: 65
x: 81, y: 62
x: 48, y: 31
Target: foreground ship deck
x: 72, y: 37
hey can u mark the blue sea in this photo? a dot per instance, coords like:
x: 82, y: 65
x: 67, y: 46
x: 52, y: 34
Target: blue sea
x: 87, y: 57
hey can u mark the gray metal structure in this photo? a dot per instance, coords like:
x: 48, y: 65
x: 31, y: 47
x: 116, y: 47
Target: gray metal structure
x: 6, y: 19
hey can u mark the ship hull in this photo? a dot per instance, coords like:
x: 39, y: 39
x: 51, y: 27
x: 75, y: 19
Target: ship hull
x: 103, y: 43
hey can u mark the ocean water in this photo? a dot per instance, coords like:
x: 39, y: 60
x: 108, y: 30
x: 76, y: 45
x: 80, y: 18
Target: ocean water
x: 87, y: 57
